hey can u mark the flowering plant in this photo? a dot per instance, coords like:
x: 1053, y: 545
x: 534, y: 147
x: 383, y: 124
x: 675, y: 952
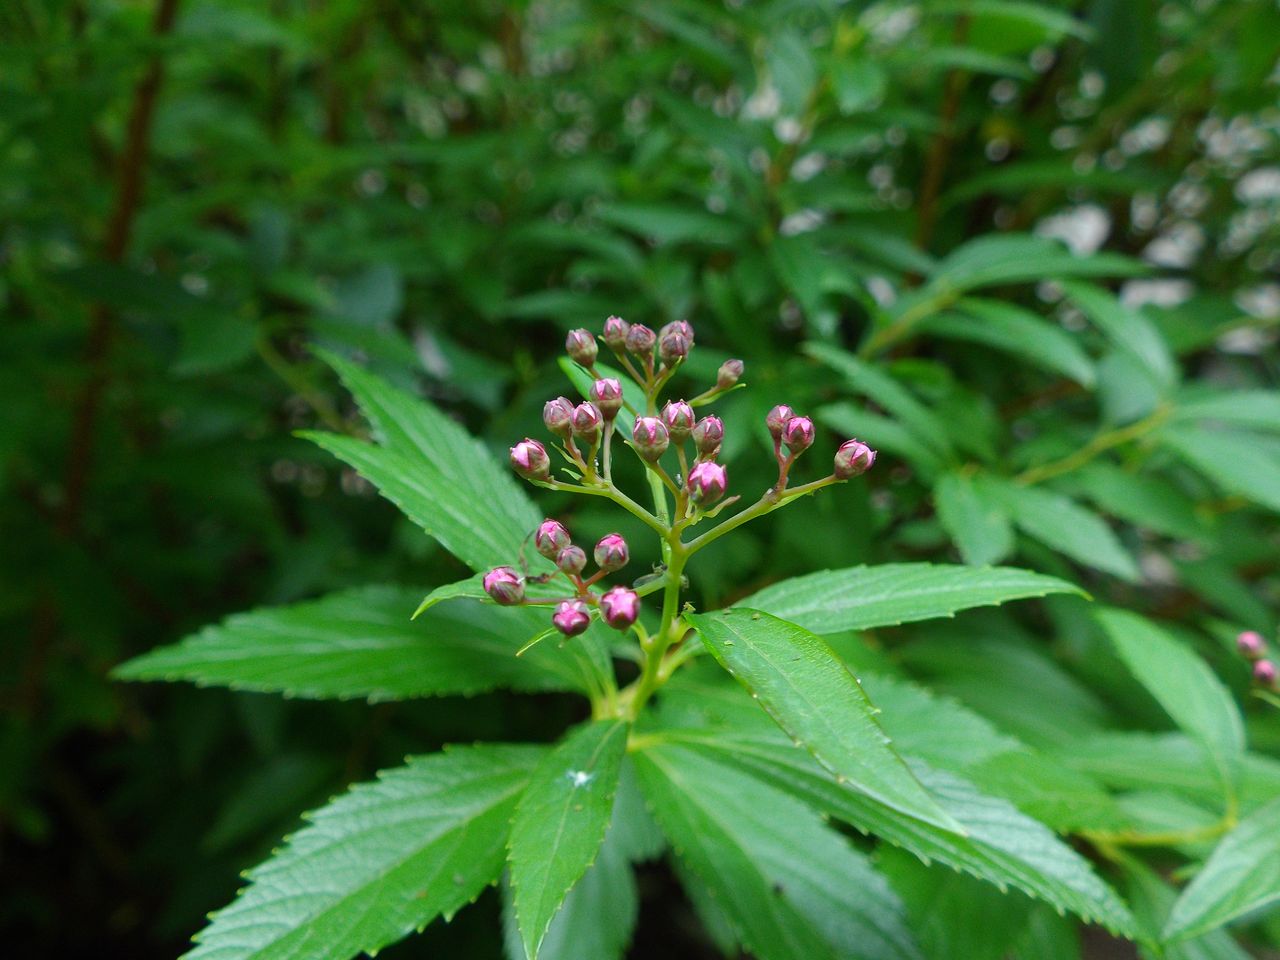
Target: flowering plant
x: 729, y: 741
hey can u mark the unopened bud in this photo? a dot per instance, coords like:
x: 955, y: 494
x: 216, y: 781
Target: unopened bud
x: 708, y: 435
x: 1250, y: 644
x: 853, y: 458
x: 550, y: 538
x: 682, y: 327
x: 588, y: 422
x: 673, y: 348
x: 572, y: 617
x: 650, y: 437
x: 708, y: 482
x: 582, y: 347
x: 558, y: 416
x: 640, y: 340
x: 798, y: 435
x: 1264, y: 673
x: 615, y: 334
x: 607, y: 395
x: 777, y: 419
x: 529, y: 459
x: 679, y: 418
x: 730, y: 373
x: 572, y: 560
x: 504, y: 586
x: 620, y: 608
x: 612, y: 553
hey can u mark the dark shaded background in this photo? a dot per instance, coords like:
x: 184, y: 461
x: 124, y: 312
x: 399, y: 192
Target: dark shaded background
x: 192, y: 193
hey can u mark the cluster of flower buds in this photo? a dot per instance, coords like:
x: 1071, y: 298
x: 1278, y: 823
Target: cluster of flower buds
x: 619, y: 607
x: 1254, y: 649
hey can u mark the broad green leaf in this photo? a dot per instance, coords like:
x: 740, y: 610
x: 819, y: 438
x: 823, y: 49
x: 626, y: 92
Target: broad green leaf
x: 1002, y: 846
x: 792, y: 888
x: 361, y: 643
x: 1063, y: 525
x: 379, y: 862
x: 1259, y: 409
x: 1180, y: 681
x: 1003, y: 326
x: 442, y: 478
x: 561, y: 822
x: 976, y: 521
x: 1152, y: 900
x: 810, y: 693
x: 887, y: 392
x: 1141, y: 499
x: 1241, y: 876
x: 1019, y: 258
x: 862, y: 598
x: 1128, y: 329
x: 1236, y: 462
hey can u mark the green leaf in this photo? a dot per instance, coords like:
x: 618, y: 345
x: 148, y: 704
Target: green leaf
x: 673, y: 223
x: 361, y: 643
x: 1002, y: 846
x: 1063, y: 525
x: 438, y: 475
x: 884, y: 434
x: 383, y: 860
x: 561, y: 822
x: 1140, y: 499
x: 472, y: 588
x: 1246, y: 408
x: 1054, y: 23
x: 1128, y: 329
x: 1003, y: 326
x: 1241, y: 876
x: 632, y: 393
x: 810, y: 693
x: 1152, y: 900
x: 1019, y: 258
x: 1236, y: 462
x: 792, y: 888
x: 1180, y: 681
x: 976, y: 522
x: 862, y: 598
x: 859, y: 82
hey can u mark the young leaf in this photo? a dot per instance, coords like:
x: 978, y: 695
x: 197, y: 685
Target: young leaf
x: 361, y: 643
x: 419, y: 842
x: 977, y: 523
x: 1062, y: 524
x: 1003, y: 326
x: 561, y: 822
x: 810, y: 693
x: 1236, y: 462
x: 1241, y: 876
x: 792, y: 887
x: 1180, y: 681
x: 442, y: 478
x: 862, y: 598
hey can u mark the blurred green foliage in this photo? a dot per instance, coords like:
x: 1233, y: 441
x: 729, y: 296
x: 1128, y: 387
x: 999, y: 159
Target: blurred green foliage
x: 193, y: 195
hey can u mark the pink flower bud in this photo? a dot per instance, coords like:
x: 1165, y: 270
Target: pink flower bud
x: 777, y: 419
x: 708, y: 435
x: 679, y: 418
x: 853, y: 458
x: 708, y: 482
x: 641, y: 340
x: 798, y: 435
x: 582, y: 347
x: 620, y: 608
x: 558, y: 416
x: 673, y: 348
x: 650, y: 437
x: 504, y: 586
x: 1264, y: 673
x: 550, y: 538
x: 529, y: 459
x: 572, y: 560
x: 607, y: 395
x: 588, y: 422
x: 730, y: 373
x: 682, y: 327
x: 1250, y: 643
x: 572, y: 617
x: 612, y: 553
x: 615, y: 334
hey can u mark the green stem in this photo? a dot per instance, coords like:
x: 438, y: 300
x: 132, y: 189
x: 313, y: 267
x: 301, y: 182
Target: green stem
x: 1099, y: 444
x: 610, y: 492
x: 770, y: 502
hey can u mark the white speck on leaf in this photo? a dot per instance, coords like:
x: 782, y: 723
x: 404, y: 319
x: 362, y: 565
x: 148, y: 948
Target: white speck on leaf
x: 580, y: 778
